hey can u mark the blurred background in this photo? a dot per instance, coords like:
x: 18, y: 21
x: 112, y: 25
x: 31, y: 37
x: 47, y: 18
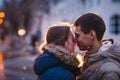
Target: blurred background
x: 23, y: 25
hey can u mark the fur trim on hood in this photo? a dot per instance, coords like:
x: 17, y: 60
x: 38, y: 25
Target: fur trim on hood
x: 63, y: 54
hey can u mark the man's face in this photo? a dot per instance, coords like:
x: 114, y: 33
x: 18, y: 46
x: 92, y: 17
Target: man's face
x: 83, y: 40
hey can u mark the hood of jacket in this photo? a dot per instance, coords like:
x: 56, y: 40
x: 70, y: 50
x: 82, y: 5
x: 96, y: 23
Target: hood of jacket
x: 113, y: 51
x: 53, y: 56
x: 109, y: 49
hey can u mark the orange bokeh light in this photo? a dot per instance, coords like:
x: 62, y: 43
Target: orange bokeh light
x: 1, y: 57
x: 1, y: 21
x: 2, y: 14
x: 1, y: 66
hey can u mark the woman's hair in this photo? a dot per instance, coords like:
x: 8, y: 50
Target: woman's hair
x: 57, y: 34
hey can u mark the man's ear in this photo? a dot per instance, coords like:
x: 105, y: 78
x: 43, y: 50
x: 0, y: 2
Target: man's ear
x: 92, y: 34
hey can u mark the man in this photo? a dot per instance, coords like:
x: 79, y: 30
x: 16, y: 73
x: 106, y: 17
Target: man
x: 102, y: 60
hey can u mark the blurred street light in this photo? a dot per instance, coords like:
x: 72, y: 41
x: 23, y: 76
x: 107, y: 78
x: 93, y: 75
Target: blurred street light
x: 1, y: 60
x: 2, y: 15
x: 24, y: 68
x: 1, y: 57
x: 1, y: 20
x: 21, y: 32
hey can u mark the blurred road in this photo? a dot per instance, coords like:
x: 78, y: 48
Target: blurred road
x: 19, y: 68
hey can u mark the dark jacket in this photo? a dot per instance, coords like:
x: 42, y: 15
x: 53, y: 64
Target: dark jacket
x: 49, y: 67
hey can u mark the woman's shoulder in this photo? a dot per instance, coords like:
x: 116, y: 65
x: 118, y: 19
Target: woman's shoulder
x: 44, y: 62
x: 58, y: 72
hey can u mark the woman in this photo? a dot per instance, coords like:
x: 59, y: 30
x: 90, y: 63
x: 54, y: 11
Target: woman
x: 58, y: 60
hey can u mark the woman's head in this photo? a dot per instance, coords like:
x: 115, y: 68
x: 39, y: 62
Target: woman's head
x: 57, y: 35
x: 60, y: 34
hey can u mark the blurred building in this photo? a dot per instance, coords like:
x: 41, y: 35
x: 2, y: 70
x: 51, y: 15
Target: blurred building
x: 109, y: 10
x: 69, y: 10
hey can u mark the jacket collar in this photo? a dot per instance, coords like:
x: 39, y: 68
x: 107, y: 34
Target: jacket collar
x: 63, y: 54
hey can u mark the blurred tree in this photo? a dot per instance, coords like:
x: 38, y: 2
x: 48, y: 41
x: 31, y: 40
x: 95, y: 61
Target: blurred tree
x: 3, y: 33
x: 18, y: 12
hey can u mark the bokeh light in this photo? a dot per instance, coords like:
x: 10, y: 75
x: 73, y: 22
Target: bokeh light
x: 1, y: 20
x: 2, y: 14
x: 21, y: 32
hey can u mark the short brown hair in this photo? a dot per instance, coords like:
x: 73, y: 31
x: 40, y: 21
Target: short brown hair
x: 91, y: 21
